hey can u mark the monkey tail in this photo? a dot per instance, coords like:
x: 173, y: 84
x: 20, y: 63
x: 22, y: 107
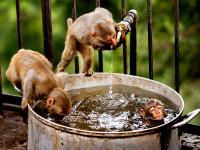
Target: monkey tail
x: 69, y: 22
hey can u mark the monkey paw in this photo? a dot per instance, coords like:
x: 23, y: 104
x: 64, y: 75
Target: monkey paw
x: 123, y: 36
x: 24, y: 105
x: 89, y: 73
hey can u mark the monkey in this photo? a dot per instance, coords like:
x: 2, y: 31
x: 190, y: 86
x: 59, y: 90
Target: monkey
x: 88, y: 32
x: 153, y: 109
x: 31, y: 72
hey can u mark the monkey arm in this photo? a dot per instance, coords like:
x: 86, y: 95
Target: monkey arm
x: 28, y: 88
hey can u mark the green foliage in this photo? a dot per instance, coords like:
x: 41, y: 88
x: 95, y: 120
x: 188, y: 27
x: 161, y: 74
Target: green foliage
x: 163, y: 40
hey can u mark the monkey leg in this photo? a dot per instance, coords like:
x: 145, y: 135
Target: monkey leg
x: 68, y: 54
x: 87, y: 54
x: 28, y: 88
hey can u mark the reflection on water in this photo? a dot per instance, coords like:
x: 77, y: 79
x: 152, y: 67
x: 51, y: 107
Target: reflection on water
x: 109, y: 109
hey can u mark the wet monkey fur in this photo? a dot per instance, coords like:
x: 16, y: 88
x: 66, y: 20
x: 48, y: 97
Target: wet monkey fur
x: 32, y: 72
x: 89, y: 31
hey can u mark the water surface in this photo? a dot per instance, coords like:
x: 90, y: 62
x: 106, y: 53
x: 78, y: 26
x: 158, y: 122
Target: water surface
x: 109, y: 109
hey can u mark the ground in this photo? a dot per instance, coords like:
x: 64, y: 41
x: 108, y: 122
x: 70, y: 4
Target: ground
x: 14, y: 134
x: 13, y: 131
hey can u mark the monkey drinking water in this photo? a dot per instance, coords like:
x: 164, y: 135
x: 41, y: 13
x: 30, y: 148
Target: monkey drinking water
x: 89, y: 31
x: 32, y: 72
x: 153, y: 109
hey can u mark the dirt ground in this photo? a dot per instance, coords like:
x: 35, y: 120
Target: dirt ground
x: 14, y: 134
x: 13, y: 131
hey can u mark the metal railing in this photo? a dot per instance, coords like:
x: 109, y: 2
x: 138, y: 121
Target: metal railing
x: 48, y: 43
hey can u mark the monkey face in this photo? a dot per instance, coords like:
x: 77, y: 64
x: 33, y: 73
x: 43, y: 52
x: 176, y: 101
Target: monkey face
x: 110, y: 39
x: 156, y: 112
x: 104, y: 33
x: 59, y: 102
x: 56, y: 110
x: 153, y: 109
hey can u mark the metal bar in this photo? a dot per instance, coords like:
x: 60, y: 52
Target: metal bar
x: 150, y: 50
x: 19, y: 26
x: 191, y: 129
x: 176, y: 3
x: 100, y: 51
x: 47, y: 30
x: 74, y: 18
x: 12, y: 107
x: 74, y: 10
x: 133, y: 48
x: 123, y: 5
x: 16, y: 108
x: 11, y: 99
x: 100, y: 60
x: 13, y: 102
x: 97, y: 3
x: 1, y: 99
x: 125, y: 56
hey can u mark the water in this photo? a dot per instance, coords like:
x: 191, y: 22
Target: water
x: 111, y: 71
x: 98, y: 109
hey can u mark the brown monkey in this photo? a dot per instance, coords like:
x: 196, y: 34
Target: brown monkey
x: 32, y: 72
x: 93, y: 30
x: 153, y: 109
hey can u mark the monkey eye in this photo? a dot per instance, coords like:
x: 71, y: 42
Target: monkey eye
x: 159, y: 106
x: 151, y: 108
x: 107, y: 41
x: 114, y: 35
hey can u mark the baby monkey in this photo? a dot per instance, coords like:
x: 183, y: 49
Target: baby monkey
x: 93, y: 30
x: 153, y: 109
x: 32, y: 73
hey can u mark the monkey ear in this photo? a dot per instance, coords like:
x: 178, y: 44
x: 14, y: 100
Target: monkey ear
x: 50, y: 101
x: 108, y: 21
x: 141, y: 112
x: 92, y: 34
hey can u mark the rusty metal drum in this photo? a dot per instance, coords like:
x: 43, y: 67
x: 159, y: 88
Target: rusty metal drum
x: 46, y: 135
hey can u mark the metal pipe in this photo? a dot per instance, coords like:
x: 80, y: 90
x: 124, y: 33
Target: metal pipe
x: 100, y: 51
x: 12, y: 107
x: 47, y: 30
x: 128, y: 21
x: 176, y: 3
x: 74, y: 18
x: 133, y: 44
x: 123, y: 5
x: 150, y: 50
x: 19, y: 26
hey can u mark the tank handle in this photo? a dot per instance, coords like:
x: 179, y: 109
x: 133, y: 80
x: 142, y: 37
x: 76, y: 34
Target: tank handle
x: 189, y: 117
